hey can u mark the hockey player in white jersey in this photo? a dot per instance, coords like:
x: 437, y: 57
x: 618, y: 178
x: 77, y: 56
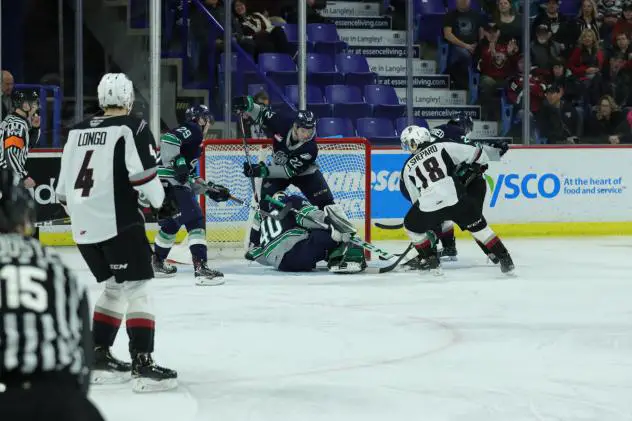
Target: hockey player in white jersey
x: 107, y: 163
x: 429, y: 181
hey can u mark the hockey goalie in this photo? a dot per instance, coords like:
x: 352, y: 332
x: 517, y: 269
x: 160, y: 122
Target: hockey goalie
x: 293, y: 239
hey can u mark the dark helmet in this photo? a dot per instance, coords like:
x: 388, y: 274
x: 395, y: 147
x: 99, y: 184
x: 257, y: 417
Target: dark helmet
x: 194, y: 113
x: 464, y: 121
x: 20, y: 97
x: 17, y: 208
x: 305, y: 119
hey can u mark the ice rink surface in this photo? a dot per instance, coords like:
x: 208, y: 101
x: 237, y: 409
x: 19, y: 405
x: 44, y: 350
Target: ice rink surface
x: 552, y: 343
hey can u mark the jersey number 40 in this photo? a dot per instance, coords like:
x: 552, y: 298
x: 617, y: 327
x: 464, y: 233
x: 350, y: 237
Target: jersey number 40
x: 431, y: 168
x: 270, y: 229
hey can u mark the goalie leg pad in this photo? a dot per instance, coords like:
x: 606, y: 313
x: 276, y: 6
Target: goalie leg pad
x: 337, y: 217
x: 304, y: 255
x: 346, y: 259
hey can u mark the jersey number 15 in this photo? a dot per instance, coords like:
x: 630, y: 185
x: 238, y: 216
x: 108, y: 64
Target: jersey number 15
x: 22, y: 287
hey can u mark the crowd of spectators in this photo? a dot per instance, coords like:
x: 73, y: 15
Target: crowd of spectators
x: 581, y: 66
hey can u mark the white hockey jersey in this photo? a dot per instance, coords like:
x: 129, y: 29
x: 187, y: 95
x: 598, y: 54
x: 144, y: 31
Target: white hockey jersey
x: 427, y: 174
x: 106, y: 163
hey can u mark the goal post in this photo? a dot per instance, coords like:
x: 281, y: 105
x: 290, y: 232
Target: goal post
x: 344, y: 162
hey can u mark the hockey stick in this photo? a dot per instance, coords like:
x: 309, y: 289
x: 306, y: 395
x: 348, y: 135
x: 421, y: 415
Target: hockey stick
x: 59, y: 221
x: 354, y: 240
x: 374, y: 270
x: 245, y: 145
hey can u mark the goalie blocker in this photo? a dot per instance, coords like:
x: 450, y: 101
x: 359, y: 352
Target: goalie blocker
x: 298, y: 241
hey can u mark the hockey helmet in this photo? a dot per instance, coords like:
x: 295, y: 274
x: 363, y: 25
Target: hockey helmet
x: 194, y: 113
x: 464, y: 121
x: 304, y: 128
x: 413, y: 137
x: 17, y: 209
x: 115, y: 90
x: 19, y: 98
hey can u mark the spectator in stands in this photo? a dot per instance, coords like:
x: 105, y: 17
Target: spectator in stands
x: 624, y: 24
x: 608, y: 7
x: 622, y: 47
x: 200, y: 27
x: 587, y: 58
x: 558, y: 121
x: 7, y: 92
x: 624, y: 131
x: 604, y: 121
x: 498, y: 62
x: 615, y: 82
x: 514, y: 92
x: 462, y: 28
x: 544, y: 49
x: 256, y: 26
x: 560, y: 75
x: 586, y: 19
x: 557, y: 24
x: 290, y: 11
x: 509, y: 23
x: 611, y: 15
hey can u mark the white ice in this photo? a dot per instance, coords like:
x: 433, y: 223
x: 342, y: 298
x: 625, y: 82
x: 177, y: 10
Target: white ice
x: 553, y: 343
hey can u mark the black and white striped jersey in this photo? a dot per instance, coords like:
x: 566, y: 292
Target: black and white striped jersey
x: 44, y: 312
x: 106, y: 163
x: 16, y: 137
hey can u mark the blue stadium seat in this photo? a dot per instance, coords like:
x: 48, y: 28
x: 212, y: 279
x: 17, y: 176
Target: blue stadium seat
x: 355, y: 69
x: 335, y: 126
x: 384, y: 101
x: 347, y: 101
x: 315, y: 101
x: 321, y: 70
x: 378, y: 130
x: 325, y: 38
x: 291, y: 32
x: 279, y: 68
x: 431, y: 14
x: 402, y: 122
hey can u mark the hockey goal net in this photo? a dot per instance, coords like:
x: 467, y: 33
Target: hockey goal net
x: 345, y: 163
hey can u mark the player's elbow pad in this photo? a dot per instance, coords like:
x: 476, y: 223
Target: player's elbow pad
x: 154, y: 192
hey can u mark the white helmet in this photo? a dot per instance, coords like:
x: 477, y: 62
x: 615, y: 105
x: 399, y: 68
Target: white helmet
x: 116, y: 90
x: 413, y: 136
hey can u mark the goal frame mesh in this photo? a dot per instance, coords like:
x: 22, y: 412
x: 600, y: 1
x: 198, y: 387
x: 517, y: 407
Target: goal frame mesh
x: 238, y: 144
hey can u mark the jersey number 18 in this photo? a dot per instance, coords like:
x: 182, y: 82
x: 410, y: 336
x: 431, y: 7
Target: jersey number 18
x: 433, y: 170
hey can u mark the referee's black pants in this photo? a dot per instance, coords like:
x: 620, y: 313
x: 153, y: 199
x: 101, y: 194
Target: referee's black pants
x: 45, y: 399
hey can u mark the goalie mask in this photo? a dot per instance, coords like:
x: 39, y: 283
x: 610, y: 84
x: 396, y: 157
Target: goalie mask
x: 413, y: 137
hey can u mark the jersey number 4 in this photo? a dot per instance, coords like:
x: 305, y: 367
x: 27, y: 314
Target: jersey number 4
x: 85, y: 180
x: 433, y: 170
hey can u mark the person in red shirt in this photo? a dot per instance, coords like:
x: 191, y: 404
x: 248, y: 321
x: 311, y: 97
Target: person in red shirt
x: 587, y: 59
x: 497, y: 63
x: 624, y: 25
x: 537, y: 85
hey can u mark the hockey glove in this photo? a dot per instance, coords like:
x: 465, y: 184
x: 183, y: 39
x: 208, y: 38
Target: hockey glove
x: 181, y: 169
x: 256, y: 170
x: 242, y: 104
x: 170, y: 208
x: 217, y: 192
x: 502, y: 147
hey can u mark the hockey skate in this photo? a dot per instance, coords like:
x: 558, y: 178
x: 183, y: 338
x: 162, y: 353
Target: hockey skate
x: 108, y: 369
x: 162, y: 269
x: 448, y: 253
x: 205, y: 276
x: 147, y: 376
x: 506, y: 264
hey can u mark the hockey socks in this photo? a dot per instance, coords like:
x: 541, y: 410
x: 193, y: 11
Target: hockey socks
x: 447, y: 235
x: 491, y: 242
x: 197, y: 244
x: 163, y: 243
x: 108, y: 313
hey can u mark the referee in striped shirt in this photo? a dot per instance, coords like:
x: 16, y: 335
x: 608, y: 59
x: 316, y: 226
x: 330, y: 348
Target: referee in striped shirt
x: 45, y: 340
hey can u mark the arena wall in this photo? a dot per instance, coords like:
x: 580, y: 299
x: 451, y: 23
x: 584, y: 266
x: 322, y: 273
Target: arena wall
x: 534, y: 191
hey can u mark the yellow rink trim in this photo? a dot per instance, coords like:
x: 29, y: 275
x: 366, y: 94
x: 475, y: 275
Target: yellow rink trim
x: 533, y: 229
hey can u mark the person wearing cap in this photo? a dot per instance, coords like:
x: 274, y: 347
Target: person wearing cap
x: 544, y: 49
x: 624, y: 24
x: 557, y: 23
x: 562, y: 76
x: 615, y: 81
x: 558, y: 121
